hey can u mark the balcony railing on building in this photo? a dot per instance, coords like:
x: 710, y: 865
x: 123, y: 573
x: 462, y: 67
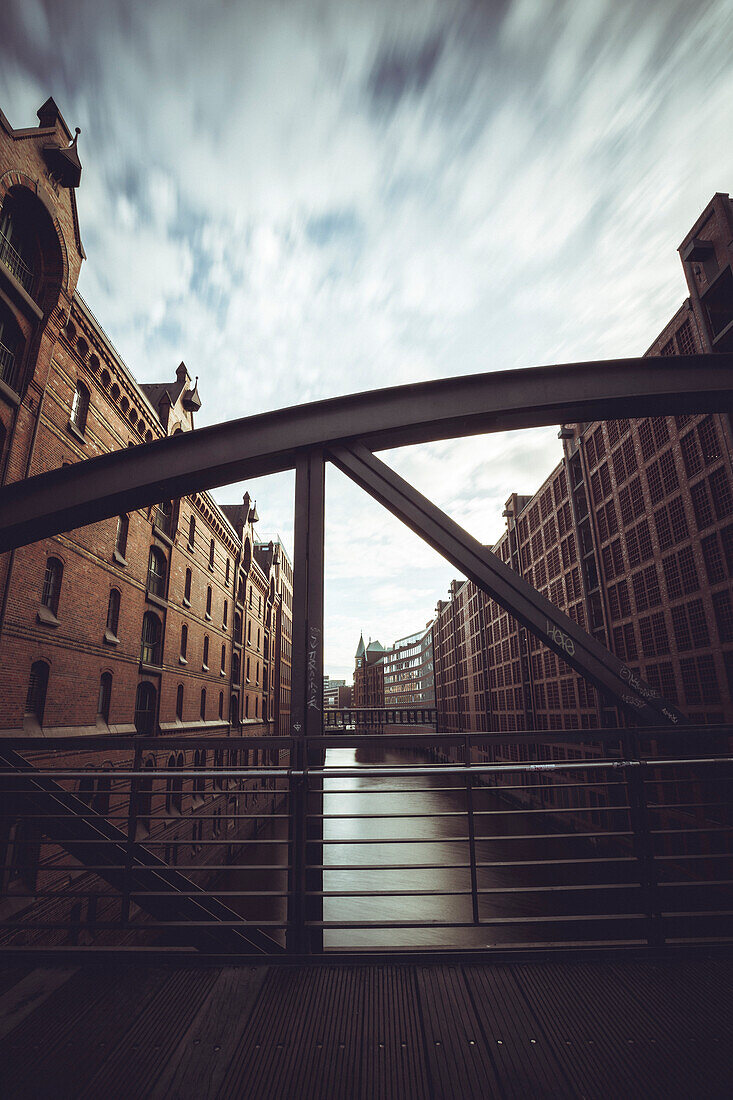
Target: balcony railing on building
x: 11, y: 257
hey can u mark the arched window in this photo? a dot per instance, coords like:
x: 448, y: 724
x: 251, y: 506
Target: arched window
x: 206, y: 652
x: 35, y: 700
x: 80, y: 407
x: 164, y: 517
x: 234, y: 710
x: 211, y: 555
x: 179, y: 702
x: 225, y: 614
x: 85, y: 790
x: 100, y: 801
x: 236, y: 666
x: 237, y: 627
x: 257, y: 706
x: 52, y: 584
x: 123, y: 527
x: 248, y: 670
x: 223, y: 658
x: 184, y: 641
x: 187, y: 587
x: 145, y: 701
x: 221, y: 704
x: 113, y: 611
x: 145, y: 799
x: 246, y: 706
x: 202, y: 710
x: 249, y: 629
x: 11, y: 344
x: 208, y: 602
x: 105, y: 695
x: 156, y: 571
x: 191, y: 532
x: 170, y: 800
x: 226, y: 573
x: 150, y: 647
x: 178, y: 784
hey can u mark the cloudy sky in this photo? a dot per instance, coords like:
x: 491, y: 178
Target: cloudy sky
x: 305, y: 199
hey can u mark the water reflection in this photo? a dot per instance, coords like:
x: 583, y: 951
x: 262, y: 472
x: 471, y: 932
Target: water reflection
x: 408, y: 836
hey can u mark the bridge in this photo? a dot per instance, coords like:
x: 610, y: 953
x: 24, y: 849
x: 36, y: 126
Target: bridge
x: 617, y: 897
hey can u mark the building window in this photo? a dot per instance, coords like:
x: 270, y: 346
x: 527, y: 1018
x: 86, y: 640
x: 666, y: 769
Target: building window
x: 225, y: 614
x: 184, y: 641
x: 164, y: 517
x: 237, y: 627
x: 156, y: 571
x: 191, y: 532
x: 206, y: 652
x: 151, y: 638
x: 208, y: 602
x: 211, y: 555
x: 80, y: 407
x: 52, y: 585
x: 145, y: 701
x: 248, y: 670
x: 105, y: 695
x: 113, y: 611
x: 187, y: 588
x: 246, y: 706
x: 235, y: 666
x: 123, y: 526
x: 226, y: 573
x: 221, y: 704
x: 35, y: 700
x: 179, y: 702
x: 223, y: 658
x: 202, y: 709
x: 233, y: 709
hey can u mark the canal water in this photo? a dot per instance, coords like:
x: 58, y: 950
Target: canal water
x: 402, y: 835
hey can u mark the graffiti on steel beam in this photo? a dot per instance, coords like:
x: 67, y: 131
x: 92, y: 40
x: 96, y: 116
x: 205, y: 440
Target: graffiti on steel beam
x: 314, y: 689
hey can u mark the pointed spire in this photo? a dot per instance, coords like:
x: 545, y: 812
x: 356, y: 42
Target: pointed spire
x: 360, y: 648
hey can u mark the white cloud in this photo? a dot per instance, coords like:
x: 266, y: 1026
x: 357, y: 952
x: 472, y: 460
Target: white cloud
x: 308, y: 199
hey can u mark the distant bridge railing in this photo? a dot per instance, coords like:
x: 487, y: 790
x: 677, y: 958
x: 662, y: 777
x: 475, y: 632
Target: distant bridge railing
x: 376, y: 717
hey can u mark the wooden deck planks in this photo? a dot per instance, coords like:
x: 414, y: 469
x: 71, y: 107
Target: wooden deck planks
x: 196, y: 1068
x: 582, y: 1028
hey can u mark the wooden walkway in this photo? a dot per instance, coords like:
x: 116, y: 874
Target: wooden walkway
x: 615, y: 1027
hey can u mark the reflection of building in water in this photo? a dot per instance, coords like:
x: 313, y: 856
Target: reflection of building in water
x: 408, y: 671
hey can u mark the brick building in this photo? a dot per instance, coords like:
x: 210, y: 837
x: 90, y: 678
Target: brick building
x: 631, y: 535
x: 409, y: 679
x: 369, y: 675
x: 146, y: 622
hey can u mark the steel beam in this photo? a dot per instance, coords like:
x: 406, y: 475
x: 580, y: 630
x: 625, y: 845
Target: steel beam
x: 306, y: 822
x: 555, y: 629
x: 111, y: 484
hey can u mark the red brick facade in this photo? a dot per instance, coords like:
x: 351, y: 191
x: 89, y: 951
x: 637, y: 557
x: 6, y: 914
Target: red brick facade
x: 631, y: 535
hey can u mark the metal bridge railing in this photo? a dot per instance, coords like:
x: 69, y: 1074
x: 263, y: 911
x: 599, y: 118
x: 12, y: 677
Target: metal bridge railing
x: 412, y: 841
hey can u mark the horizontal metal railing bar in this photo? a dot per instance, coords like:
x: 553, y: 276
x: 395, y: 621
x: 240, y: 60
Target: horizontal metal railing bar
x: 560, y: 918
x: 464, y: 838
x: 488, y: 789
x: 356, y: 867
x: 417, y: 815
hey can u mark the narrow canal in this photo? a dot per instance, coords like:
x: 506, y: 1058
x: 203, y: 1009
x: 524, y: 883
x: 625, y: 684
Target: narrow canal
x: 399, y: 836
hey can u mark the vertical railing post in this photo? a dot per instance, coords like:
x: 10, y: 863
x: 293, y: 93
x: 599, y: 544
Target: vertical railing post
x: 471, y: 831
x: 643, y: 844
x: 306, y: 828
x: 131, y: 831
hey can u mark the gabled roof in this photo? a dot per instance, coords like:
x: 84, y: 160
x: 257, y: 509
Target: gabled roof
x: 155, y: 391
